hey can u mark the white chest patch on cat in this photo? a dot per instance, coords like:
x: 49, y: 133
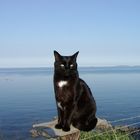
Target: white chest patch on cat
x: 59, y: 105
x: 62, y: 83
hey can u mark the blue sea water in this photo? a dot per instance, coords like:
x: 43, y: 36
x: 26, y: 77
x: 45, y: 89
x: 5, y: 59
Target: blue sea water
x: 27, y: 97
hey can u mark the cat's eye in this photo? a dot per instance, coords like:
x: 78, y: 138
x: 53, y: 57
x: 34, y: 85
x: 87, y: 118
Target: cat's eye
x: 62, y: 65
x: 71, y: 66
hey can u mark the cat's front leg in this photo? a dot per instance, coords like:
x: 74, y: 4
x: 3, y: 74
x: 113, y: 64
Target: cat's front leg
x: 66, y: 126
x: 59, y: 125
x: 68, y: 113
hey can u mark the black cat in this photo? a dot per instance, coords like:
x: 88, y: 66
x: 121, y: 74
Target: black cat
x: 75, y: 103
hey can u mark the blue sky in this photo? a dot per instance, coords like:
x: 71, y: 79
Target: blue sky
x: 106, y: 32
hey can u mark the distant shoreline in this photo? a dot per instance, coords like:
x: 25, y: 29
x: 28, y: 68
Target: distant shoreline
x: 44, y: 70
x: 89, y: 67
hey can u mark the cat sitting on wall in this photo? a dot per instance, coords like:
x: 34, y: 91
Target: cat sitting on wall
x: 75, y: 103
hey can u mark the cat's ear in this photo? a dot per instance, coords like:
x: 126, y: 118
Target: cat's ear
x: 57, y: 56
x: 75, y: 55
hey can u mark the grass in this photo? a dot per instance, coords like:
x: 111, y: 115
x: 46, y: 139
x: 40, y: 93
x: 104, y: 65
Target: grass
x: 108, y: 135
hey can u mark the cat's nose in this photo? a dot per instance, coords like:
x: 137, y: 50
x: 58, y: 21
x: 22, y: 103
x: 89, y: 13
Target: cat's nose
x: 67, y: 70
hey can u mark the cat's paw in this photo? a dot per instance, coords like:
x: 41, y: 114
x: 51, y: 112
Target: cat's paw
x: 58, y: 126
x: 66, y: 129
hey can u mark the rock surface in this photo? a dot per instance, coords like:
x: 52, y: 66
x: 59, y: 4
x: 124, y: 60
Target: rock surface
x: 47, y: 129
x: 103, y: 124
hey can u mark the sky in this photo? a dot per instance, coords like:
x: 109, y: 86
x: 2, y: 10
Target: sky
x: 105, y: 32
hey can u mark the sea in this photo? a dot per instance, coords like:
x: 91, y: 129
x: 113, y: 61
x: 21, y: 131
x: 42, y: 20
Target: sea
x: 27, y: 97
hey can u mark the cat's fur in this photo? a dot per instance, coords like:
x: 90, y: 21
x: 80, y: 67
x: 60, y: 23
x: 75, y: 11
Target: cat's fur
x: 75, y: 103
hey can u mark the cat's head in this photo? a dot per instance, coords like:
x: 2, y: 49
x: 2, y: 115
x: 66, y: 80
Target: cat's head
x: 65, y: 65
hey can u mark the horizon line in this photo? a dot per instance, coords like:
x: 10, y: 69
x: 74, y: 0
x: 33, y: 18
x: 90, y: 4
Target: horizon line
x: 108, y: 66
